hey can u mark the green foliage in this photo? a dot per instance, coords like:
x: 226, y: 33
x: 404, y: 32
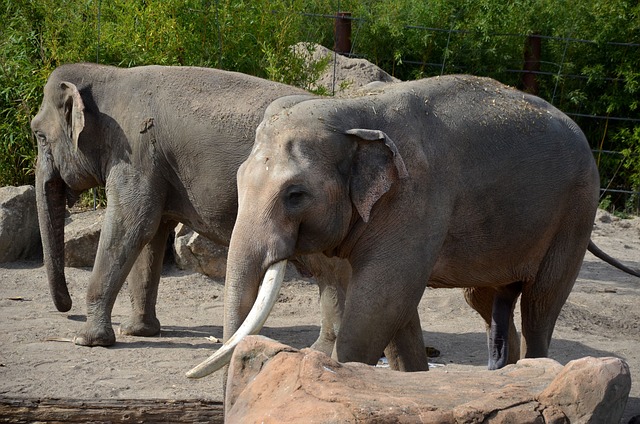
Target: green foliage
x: 407, y: 38
x: 37, y: 36
x: 21, y: 84
x: 291, y: 67
x: 584, y: 71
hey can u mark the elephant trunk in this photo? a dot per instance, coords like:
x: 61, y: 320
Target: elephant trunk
x: 265, y: 300
x: 245, y: 307
x: 51, y: 196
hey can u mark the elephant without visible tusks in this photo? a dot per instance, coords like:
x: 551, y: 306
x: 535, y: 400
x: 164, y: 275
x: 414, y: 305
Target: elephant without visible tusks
x: 454, y: 181
x: 166, y: 142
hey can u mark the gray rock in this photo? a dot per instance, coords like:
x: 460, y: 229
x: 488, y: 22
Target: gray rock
x: 196, y: 253
x: 19, y: 231
x: 343, y: 75
x: 81, y: 236
x: 272, y: 382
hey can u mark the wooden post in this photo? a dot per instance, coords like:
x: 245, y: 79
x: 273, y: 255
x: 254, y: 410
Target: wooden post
x: 18, y: 410
x: 342, y: 33
x: 532, y: 52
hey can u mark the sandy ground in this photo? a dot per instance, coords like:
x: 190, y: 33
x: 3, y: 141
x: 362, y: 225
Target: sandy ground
x: 601, y: 318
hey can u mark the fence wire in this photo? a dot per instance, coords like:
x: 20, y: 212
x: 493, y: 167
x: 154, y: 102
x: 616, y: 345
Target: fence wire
x: 554, y: 73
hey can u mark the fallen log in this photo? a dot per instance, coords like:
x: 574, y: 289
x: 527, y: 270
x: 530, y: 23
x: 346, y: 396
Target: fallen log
x: 25, y: 410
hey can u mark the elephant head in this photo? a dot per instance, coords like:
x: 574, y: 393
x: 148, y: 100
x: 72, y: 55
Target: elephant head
x: 300, y: 192
x: 62, y: 173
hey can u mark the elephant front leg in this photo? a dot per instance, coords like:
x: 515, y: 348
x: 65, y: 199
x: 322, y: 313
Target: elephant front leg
x: 331, y: 306
x: 501, y: 316
x: 121, y: 240
x: 380, y: 314
x: 333, y: 276
x: 406, y: 350
x: 143, y: 283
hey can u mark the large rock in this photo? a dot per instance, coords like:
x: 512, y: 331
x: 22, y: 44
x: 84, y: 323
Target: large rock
x: 273, y: 383
x: 191, y: 251
x: 19, y: 232
x: 342, y: 75
x: 601, y: 383
x: 194, y: 252
x: 81, y: 236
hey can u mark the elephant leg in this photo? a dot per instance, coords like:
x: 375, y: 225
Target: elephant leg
x: 542, y: 299
x: 124, y: 234
x: 331, y: 305
x: 406, y: 350
x: 380, y: 307
x: 484, y: 300
x: 504, y: 303
x: 143, y: 282
x: 332, y: 276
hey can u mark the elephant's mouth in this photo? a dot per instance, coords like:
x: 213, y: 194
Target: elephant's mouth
x: 266, y: 299
x: 71, y: 195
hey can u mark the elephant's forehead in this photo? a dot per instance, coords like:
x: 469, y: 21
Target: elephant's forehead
x: 270, y: 166
x: 276, y: 149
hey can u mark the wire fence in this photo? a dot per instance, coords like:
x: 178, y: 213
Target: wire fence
x: 537, y: 63
x: 547, y: 72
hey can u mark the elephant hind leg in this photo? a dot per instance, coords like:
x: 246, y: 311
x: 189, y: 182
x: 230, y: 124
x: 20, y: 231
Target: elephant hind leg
x: 542, y: 299
x: 143, y: 282
x: 485, y: 300
x: 405, y: 351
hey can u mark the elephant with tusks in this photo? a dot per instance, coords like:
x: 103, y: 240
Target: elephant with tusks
x: 453, y: 181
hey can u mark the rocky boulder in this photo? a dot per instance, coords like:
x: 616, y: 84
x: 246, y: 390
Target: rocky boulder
x: 191, y: 251
x: 81, y: 236
x: 342, y: 75
x: 194, y: 252
x: 274, y: 383
x: 19, y: 231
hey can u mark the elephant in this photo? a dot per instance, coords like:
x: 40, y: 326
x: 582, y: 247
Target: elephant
x: 448, y: 182
x: 166, y: 142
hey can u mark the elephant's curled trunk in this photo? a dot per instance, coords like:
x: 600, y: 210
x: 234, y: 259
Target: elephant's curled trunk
x: 266, y: 299
x: 51, y: 196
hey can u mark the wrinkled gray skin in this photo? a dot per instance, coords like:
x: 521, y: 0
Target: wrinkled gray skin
x: 454, y: 181
x: 166, y: 142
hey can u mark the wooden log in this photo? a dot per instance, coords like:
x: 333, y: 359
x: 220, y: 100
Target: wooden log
x: 17, y: 410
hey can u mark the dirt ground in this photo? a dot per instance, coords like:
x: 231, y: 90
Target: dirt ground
x: 601, y: 318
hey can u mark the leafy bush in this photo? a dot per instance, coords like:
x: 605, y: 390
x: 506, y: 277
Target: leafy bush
x: 582, y: 71
x: 587, y: 67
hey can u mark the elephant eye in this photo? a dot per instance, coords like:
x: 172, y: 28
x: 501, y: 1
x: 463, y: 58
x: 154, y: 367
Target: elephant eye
x: 41, y: 136
x: 295, y: 197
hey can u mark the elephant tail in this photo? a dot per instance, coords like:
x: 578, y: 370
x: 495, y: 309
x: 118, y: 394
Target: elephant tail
x: 599, y: 253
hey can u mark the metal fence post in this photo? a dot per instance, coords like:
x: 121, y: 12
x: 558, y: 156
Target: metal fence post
x: 342, y: 33
x: 532, y: 53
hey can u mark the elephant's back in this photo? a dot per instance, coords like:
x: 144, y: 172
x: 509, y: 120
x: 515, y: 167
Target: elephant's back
x: 207, y: 93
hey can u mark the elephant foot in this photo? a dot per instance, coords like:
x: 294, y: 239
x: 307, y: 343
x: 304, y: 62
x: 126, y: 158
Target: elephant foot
x: 324, y: 346
x: 140, y: 327
x: 92, y: 337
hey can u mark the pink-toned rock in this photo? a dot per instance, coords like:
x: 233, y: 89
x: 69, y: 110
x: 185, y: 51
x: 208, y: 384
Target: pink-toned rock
x: 270, y: 382
x: 601, y: 383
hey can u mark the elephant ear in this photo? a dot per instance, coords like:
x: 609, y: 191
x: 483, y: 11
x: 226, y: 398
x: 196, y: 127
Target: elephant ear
x: 73, y: 111
x: 377, y: 164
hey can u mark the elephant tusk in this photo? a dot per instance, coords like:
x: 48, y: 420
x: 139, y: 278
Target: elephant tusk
x: 266, y: 299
